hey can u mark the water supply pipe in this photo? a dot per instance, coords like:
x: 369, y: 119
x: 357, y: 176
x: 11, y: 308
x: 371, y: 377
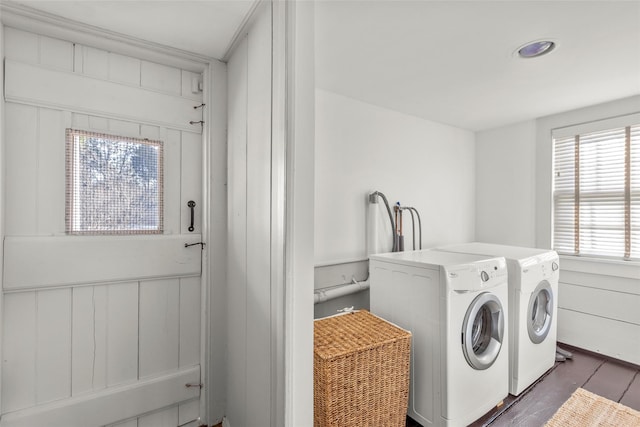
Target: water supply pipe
x: 322, y: 295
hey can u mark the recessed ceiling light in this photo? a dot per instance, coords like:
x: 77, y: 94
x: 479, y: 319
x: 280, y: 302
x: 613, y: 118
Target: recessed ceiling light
x: 537, y: 48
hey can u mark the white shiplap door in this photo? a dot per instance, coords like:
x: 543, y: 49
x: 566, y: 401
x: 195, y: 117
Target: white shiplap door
x: 97, y: 331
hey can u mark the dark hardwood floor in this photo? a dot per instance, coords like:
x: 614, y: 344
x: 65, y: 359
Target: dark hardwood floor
x: 615, y: 380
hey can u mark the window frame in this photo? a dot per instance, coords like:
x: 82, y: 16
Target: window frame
x: 71, y: 190
x: 623, y: 124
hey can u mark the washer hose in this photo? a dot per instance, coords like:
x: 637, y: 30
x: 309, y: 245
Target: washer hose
x: 393, y: 226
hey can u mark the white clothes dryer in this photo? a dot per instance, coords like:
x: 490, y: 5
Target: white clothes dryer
x: 456, y: 306
x: 533, y: 308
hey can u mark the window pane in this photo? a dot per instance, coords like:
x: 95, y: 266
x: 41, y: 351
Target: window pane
x: 114, y: 184
x: 564, y: 195
x: 602, y: 203
x: 592, y: 184
x: 635, y: 192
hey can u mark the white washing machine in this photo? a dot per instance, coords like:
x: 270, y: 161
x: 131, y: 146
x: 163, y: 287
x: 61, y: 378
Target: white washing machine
x: 455, y: 305
x: 533, y: 308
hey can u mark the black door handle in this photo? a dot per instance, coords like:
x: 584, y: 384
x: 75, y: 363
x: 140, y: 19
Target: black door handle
x: 192, y: 205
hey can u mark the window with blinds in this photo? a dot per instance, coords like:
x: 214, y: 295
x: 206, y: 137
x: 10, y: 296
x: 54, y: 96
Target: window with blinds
x: 596, y: 193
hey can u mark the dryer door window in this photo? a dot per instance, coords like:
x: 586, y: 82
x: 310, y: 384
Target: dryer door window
x: 540, y: 312
x: 482, y: 331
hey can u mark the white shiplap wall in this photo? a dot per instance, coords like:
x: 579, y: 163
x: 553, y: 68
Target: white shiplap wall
x: 101, y: 349
x: 250, y: 325
x: 598, y: 307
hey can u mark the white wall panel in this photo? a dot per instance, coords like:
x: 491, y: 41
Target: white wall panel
x: 85, y: 339
x: 21, y: 45
x: 121, y: 127
x: 89, y: 342
x: 150, y: 132
x: 53, y: 341
x: 600, y: 281
x: 173, y: 207
x: 191, y: 187
x: 56, y: 53
x: 122, y: 333
x: 159, y: 326
x: 95, y: 62
x: 129, y: 258
x: 79, y: 121
x: 188, y: 412
x: 21, y: 152
x: 124, y: 69
x: 160, y: 77
x: 100, y: 337
x: 164, y: 418
x: 99, y: 123
x: 616, y: 339
x: 51, y: 172
x: 594, y: 268
x: 190, y: 290
x: 111, y: 405
x: 26, y: 83
x: 601, y: 302
x: 19, y: 351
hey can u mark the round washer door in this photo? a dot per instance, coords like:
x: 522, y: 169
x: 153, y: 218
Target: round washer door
x: 540, y: 312
x: 482, y: 331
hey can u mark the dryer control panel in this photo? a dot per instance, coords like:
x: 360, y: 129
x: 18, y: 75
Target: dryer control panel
x: 476, y: 276
x: 542, y: 267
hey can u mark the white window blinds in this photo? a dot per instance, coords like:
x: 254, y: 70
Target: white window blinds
x: 597, y: 192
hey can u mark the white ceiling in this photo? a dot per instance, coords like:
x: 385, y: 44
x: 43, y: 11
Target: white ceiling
x: 205, y: 27
x: 448, y: 61
x: 452, y: 61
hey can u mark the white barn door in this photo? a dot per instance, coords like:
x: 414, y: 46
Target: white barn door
x: 97, y: 330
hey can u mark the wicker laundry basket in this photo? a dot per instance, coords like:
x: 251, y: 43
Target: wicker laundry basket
x: 361, y: 371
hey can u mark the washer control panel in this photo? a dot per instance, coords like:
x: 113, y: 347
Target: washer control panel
x: 478, y: 275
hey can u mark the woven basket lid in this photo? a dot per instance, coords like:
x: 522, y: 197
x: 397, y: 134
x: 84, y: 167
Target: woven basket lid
x: 343, y: 334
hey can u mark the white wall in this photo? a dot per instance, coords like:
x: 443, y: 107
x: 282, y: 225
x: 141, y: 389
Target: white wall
x: 598, y: 299
x: 362, y: 148
x: 270, y: 217
x: 505, y: 185
x: 249, y: 321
